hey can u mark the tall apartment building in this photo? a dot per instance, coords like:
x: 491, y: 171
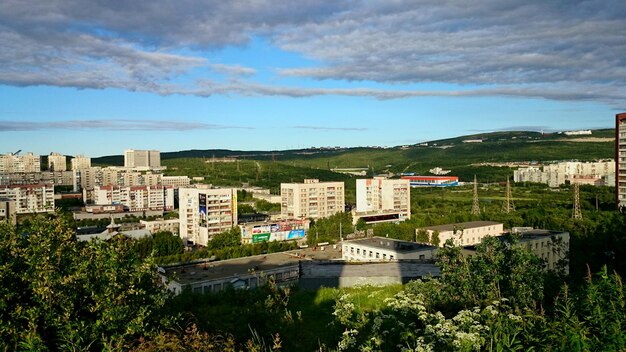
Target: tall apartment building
x: 571, y: 171
x: 620, y: 159
x: 135, y: 198
x: 142, y: 158
x: 30, y: 198
x: 57, y: 162
x: 205, y: 211
x: 80, y: 162
x: 311, y: 199
x: 383, y: 196
x: 10, y: 163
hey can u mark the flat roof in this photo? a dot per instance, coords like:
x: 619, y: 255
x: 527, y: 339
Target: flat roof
x: 464, y: 225
x: 391, y: 243
x: 187, y: 274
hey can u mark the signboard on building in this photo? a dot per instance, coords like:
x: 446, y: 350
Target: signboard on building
x: 264, y: 237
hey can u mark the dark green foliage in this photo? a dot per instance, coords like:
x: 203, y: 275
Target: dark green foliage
x: 328, y: 229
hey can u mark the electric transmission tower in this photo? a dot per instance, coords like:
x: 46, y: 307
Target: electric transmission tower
x: 577, y: 214
x: 508, y: 203
x: 475, y: 205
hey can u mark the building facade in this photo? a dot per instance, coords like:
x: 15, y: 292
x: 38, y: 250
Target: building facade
x: 8, y: 212
x: 154, y: 226
x: 381, y: 249
x: 283, y: 230
x: 464, y: 233
x: 381, y: 196
x: 205, y: 211
x: 311, y: 199
x: 57, y: 162
x: 80, y: 162
x: 432, y: 181
x: 142, y: 158
x: 30, y: 198
x: 135, y: 198
x: 554, y: 175
x: 620, y: 159
x: 12, y: 163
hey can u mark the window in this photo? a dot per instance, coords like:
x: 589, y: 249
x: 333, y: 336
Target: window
x: 422, y: 257
x: 377, y: 255
x: 358, y: 251
x: 391, y: 257
x: 384, y: 256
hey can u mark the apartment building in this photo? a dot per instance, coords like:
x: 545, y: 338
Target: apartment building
x: 620, y: 159
x: 154, y: 226
x: 30, y: 198
x: 311, y: 199
x: 57, y: 162
x: 135, y: 198
x: 57, y: 178
x: 558, y: 174
x: 80, y: 162
x: 205, y: 211
x: 175, y: 181
x: 142, y: 158
x: 381, y: 199
x: 13, y: 163
x: 8, y: 212
x: 464, y: 233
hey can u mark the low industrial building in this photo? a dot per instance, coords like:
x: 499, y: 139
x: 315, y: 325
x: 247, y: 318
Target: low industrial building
x: 464, y: 233
x: 381, y: 249
x: 283, y: 230
x: 432, y: 181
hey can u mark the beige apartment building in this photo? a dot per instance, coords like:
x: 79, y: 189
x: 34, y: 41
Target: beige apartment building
x: 620, y: 160
x: 135, y: 198
x: 311, y: 199
x: 80, y: 162
x: 465, y: 233
x: 206, y: 211
x: 30, y: 198
x: 10, y: 163
x: 381, y: 199
x: 154, y: 226
x: 57, y: 162
x: 176, y: 181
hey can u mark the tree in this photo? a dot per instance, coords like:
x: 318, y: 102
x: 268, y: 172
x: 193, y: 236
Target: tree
x: 434, y: 238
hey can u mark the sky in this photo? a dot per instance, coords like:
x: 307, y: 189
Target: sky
x: 97, y: 77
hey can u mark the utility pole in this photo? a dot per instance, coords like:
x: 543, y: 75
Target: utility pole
x: 508, y: 203
x: 475, y: 204
x: 577, y: 213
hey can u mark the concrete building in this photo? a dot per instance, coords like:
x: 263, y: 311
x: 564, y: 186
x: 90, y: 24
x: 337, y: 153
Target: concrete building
x: 136, y: 198
x: 283, y: 230
x: 30, y: 198
x: 11, y: 163
x: 175, y: 181
x: 381, y: 249
x: 558, y: 174
x: 57, y: 162
x: 311, y: 199
x: 57, y: 178
x: 80, y: 162
x: 465, y: 233
x: 380, y: 199
x: 8, y: 211
x: 620, y: 159
x: 142, y: 158
x: 154, y: 226
x: 205, y: 211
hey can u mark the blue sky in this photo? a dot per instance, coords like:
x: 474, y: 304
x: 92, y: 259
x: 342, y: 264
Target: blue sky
x: 97, y: 77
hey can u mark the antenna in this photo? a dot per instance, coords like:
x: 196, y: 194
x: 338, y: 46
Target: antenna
x: 508, y: 203
x: 475, y: 205
x: 577, y: 213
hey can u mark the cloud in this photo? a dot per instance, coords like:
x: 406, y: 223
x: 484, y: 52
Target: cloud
x: 573, y: 50
x: 110, y: 125
x: 326, y: 128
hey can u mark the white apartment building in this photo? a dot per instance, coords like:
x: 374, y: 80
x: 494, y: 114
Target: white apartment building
x: 80, y: 162
x: 57, y: 162
x: 142, y: 158
x: 381, y: 249
x: 620, y: 159
x: 557, y: 174
x: 10, y: 163
x: 205, y: 211
x: 311, y: 199
x: 465, y: 233
x: 175, y: 181
x: 382, y: 196
x: 154, y: 226
x: 136, y: 198
x: 30, y: 198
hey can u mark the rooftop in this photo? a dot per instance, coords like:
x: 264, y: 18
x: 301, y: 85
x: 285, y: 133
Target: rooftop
x: 464, y: 225
x: 387, y: 243
x: 186, y: 274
